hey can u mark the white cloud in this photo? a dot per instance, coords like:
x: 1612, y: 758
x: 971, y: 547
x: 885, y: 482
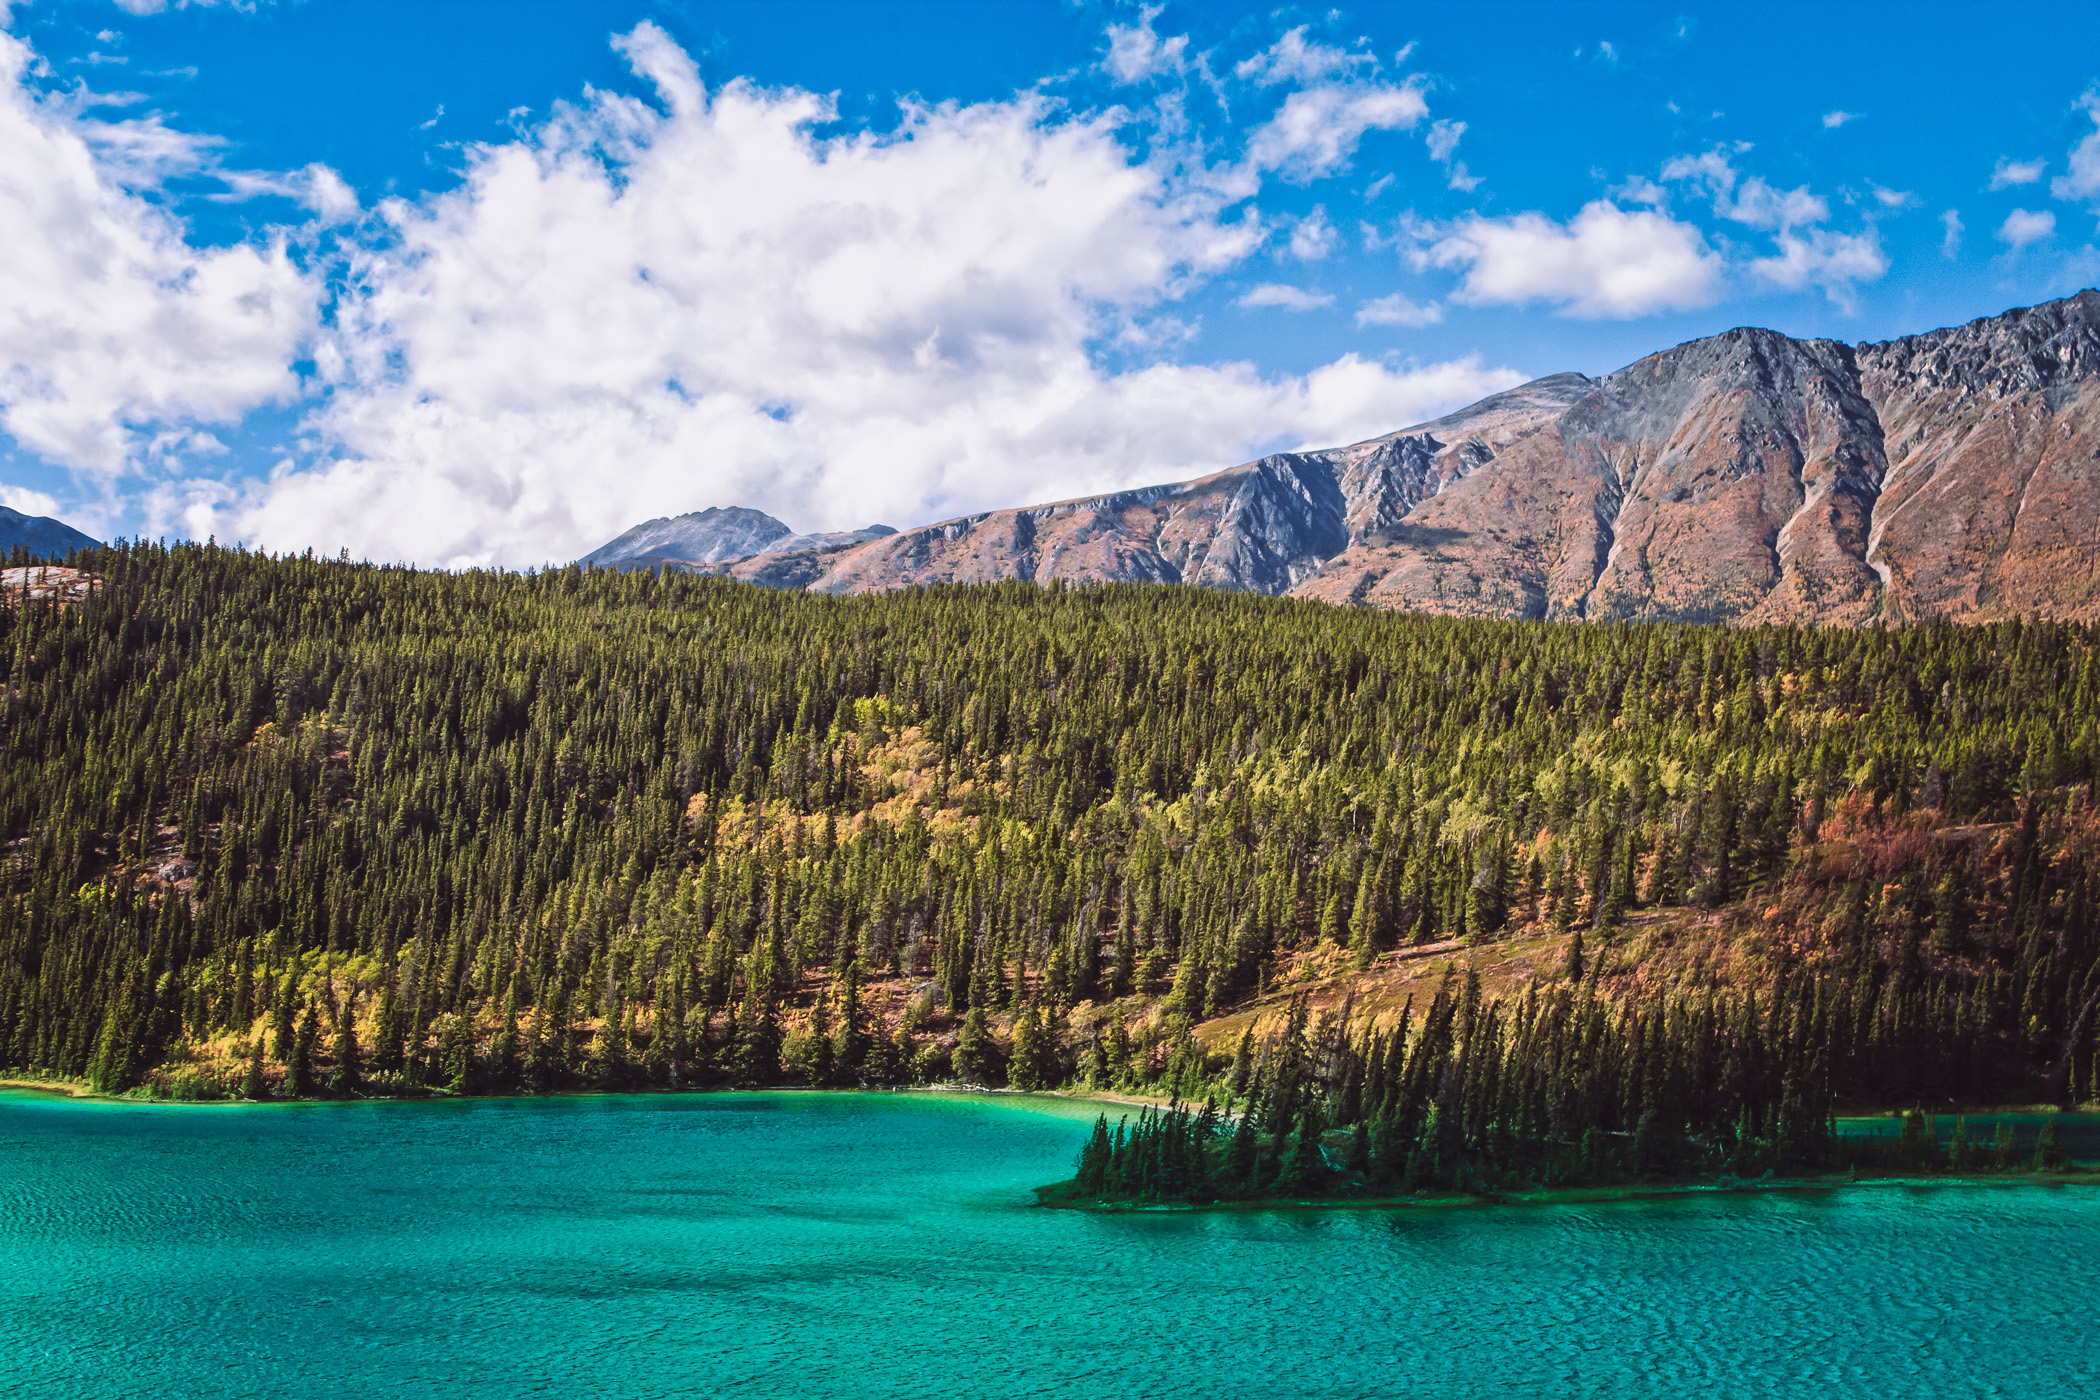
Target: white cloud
x: 1443, y: 144
x: 1751, y: 201
x: 2083, y: 179
x: 634, y: 309
x: 2016, y: 172
x: 1312, y: 237
x: 154, y: 7
x: 1950, y: 244
x: 1605, y: 262
x: 1397, y: 310
x: 1283, y: 295
x: 1805, y: 253
x: 316, y: 187
x: 1835, y: 262
x: 1443, y: 139
x: 2024, y: 226
x: 1892, y: 199
x: 1292, y: 59
x: 1136, y: 52
x: 1316, y: 131
x: 1639, y: 189
x: 110, y: 322
x: 1833, y: 120
x: 28, y: 502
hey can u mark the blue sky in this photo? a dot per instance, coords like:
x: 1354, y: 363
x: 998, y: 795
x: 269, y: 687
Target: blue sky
x: 473, y: 283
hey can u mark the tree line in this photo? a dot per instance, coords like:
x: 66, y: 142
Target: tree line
x: 293, y: 826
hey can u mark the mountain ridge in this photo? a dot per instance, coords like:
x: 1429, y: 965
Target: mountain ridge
x: 1745, y: 477
x: 44, y: 536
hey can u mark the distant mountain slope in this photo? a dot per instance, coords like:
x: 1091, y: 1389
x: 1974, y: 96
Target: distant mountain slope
x: 41, y: 535
x: 703, y: 537
x: 714, y: 536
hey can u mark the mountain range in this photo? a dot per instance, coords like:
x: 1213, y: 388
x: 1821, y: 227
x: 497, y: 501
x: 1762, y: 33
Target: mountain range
x: 1747, y: 477
x: 716, y: 535
x: 42, y: 536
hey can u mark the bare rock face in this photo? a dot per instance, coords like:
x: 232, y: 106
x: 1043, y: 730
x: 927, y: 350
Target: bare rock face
x: 1754, y: 478
x: 1263, y: 526
x: 1991, y: 503
x: 1747, y: 477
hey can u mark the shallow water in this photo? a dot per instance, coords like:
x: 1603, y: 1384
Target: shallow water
x: 885, y: 1245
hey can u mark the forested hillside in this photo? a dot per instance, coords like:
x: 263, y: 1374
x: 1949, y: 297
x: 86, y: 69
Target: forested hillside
x: 298, y: 827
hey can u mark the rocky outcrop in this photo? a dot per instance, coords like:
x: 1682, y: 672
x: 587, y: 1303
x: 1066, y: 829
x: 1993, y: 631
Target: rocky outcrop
x: 1748, y: 477
x: 42, y: 535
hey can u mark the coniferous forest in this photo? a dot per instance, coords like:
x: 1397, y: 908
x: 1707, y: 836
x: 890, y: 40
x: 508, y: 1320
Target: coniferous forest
x: 1414, y: 901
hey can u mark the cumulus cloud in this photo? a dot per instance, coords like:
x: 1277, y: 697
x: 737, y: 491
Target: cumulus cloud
x: 1443, y: 145
x: 1950, y: 241
x: 1316, y: 131
x: 640, y: 308
x: 1443, y: 139
x: 1605, y: 262
x: 154, y: 7
x: 316, y: 188
x: 1296, y: 59
x: 1834, y: 262
x: 1806, y: 254
x: 2025, y: 226
x: 1752, y: 201
x: 2083, y: 179
x: 1397, y: 310
x: 2016, y: 172
x: 1136, y: 52
x: 111, y: 324
x: 1312, y: 237
x: 1283, y: 295
x: 28, y: 502
x: 1833, y: 120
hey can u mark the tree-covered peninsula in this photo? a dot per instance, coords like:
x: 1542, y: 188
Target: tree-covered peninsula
x: 1439, y: 902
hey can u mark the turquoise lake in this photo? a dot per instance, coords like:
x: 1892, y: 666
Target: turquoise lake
x: 879, y: 1245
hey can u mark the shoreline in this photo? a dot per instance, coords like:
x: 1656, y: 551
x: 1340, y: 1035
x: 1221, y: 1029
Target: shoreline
x: 68, y: 1089
x: 1572, y: 1195
x: 78, y: 1089
x: 1047, y: 1198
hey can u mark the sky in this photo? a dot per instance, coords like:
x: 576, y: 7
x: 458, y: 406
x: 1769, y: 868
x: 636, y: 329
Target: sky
x: 485, y: 283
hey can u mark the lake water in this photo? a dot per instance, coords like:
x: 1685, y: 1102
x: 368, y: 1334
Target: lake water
x: 878, y: 1245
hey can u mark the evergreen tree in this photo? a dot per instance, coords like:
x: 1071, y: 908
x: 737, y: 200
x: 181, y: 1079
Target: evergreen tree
x: 2048, y: 1149
x: 252, y: 1086
x: 345, y: 1068
x: 298, y: 1069
x: 974, y: 1056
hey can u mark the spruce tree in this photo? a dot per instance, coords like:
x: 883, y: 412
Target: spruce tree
x: 298, y: 1070
x: 2048, y: 1149
x: 252, y: 1086
x: 974, y: 1056
x: 345, y: 1073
